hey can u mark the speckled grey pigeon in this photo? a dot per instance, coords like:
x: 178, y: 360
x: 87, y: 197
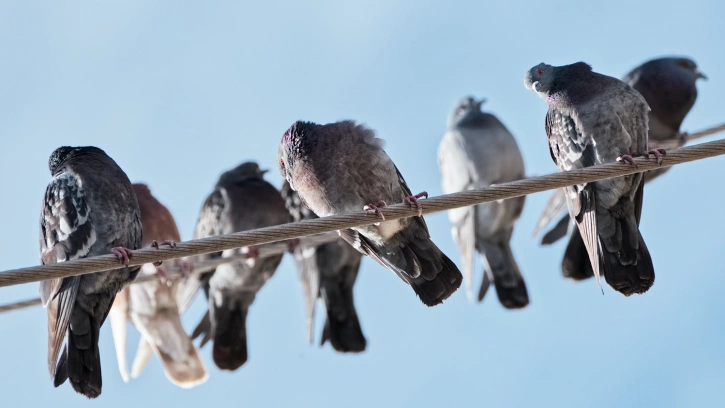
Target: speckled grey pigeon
x: 151, y: 306
x: 342, y: 167
x: 89, y: 209
x: 476, y: 152
x: 328, y: 271
x: 242, y: 200
x: 669, y: 87
x: 594, y: 119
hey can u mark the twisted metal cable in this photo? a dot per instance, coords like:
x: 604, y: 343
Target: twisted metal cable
x: 360, y: 218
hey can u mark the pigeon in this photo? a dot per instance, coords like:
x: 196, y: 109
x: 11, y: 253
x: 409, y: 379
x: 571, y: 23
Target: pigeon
x: 669, y: 87
x: 341, y: 167
x: 151, y: 306
x: 89, y: 209
x: 328, y: 271
x: 595, y: 119
x: 242, y: 200
x: 478, y: 151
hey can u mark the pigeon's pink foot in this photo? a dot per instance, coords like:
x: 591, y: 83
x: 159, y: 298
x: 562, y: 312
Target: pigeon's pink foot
x: 657, y: 153
x: 251, y: 251
x: 185, y: 266
x: 375, y: 208
x: 122, y: 253
x: 627, y: 158
x: 413, y: 200
x: 167, y: 242
x: 292, y: 244
x: 161, y: 272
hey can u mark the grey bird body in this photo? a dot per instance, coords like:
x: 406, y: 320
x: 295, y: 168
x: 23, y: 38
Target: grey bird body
x: 595, y: 119
x: 668, y: 85
x: 152, y: 307
x: 341, y: 167
x: 242, y: 200
x: 89, y: 209
x: 476, y: 152
x: 328, y: 271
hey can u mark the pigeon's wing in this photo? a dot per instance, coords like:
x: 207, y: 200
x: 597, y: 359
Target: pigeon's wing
x: 555, y: 206
x: 209, y: 224
x: 572, y: 149
x: 364, y: 246
x: 308, y: 271
x: 66, y: 233
x: 456, y: 168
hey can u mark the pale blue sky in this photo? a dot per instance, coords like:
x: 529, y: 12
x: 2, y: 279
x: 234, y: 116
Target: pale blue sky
x: 177, y: 94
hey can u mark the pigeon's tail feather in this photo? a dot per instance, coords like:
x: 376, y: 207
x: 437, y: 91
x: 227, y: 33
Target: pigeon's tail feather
x: 437, y: 280
x: 575, y: 264
x: 557, y: 232
x: 629, y: 279
x: 226, y: 324
x: 507, y: 278
x: 342, y: 327
x: 164, y: 334
x: 80, y: 361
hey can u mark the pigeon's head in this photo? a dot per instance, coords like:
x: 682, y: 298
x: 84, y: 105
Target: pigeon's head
x: 466, y: 108
x: 246, y: 170
x: 60, y: 156
x: 686, y: 66
x: 540, y: 79
x: 295, y: 145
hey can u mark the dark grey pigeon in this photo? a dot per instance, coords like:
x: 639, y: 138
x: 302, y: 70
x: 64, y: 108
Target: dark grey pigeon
x: 669, y: 87
x: 328, y: 271
x: 342, y: 167
x: 89, y: 209
x: 476, y: 152
x: 594, y: 119
x: 242, y: 200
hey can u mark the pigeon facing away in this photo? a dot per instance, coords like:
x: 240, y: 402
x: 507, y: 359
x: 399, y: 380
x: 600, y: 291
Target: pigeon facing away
x: 328, y: 271
x: 668, y: 85
x: 89, y: 209
x: 242, y: 200
x: 476, y: 152
x: 342, y: 167
x: 151, y: 306
x: 594, y: 119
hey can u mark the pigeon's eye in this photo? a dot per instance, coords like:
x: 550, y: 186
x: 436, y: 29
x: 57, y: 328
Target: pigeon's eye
x: 540, y: 72
x: 684, y: 64
x: 281, y: 163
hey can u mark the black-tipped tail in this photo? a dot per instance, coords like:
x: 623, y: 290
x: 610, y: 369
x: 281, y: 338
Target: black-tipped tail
x: 226, y: 325
x: 575, y: 264
x: 342, y: 327
x: 80, y: 361
x: 447, y: 280
x: 630, y: 279
x: 507, y: 278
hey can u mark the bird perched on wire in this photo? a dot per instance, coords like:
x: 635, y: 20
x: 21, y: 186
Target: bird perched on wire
x: 476, y: 152
x: 595, y: 119
x: 669, y: 87
x: 89, y: 209
x: 242, y: 200
x: 152, y: 307
x: 342, y: 167
x: 328, y: 271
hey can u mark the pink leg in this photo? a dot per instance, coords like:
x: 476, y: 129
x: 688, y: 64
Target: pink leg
x: 627, y: 158
x: 122, y: 253
x: 170, y: 243
x: 292, y: 244
x: 161, y: 272
x: 251, y: 251
x: 186, y: 266
x: 375, y: 208
x: 413, y: 200
x: 657, y: 153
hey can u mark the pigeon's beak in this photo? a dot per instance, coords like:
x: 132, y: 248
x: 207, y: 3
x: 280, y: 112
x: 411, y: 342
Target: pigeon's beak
x: 263, y: 171
x: 481, y: 102
x: 699, y: 74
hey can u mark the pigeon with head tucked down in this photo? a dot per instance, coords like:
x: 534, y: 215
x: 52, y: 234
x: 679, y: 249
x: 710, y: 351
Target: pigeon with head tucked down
x: 342, y: 167
x: 152, y: 307
x: 242, y: 200
x: 669, y: 87
x: 476, y: 152
x: 595, y: 119
x: 89, y: 209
